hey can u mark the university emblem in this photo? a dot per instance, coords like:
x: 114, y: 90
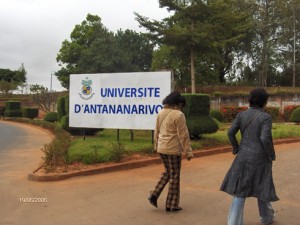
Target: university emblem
x: 86, y: 90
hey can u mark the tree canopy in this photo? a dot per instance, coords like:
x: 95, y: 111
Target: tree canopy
x: 95, y: 49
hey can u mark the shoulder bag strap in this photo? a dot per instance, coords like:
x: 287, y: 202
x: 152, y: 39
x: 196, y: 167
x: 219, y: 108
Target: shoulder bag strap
x: 255, y: 115
x: 164, y: 118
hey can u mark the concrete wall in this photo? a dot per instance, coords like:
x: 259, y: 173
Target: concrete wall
x: 274, y: 101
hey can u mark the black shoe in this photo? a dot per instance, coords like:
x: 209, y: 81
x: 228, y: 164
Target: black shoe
x: 153, y: 200
x: 173, y: 209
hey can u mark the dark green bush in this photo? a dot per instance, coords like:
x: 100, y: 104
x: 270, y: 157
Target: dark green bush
x: 274, y: 113
x: 288, y: 111
x: 12, y: 113
x: 217, y: 114
x: 64, y: 122
x: 67, y: 104
x: 30, y: 113
x: 12, y: 105
x: 295, y: 117
x: 196, y: 105
x: 201, y: 125
x: 51, y: 117
x: 12, y: 109
x: 197, y: 115
x: 61, y: 108
x: 2, y: 109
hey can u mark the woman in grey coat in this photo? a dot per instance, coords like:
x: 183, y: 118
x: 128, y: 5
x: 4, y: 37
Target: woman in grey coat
x: 250, y: 174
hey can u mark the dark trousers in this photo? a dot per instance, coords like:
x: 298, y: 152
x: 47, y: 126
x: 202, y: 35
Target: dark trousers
x: 171, y: 174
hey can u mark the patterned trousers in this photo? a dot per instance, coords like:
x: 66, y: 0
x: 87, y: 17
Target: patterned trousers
x: 171, y: 174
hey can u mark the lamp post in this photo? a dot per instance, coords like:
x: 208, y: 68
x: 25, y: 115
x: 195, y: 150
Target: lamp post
x: 294, y: 56
x: 51, y: 82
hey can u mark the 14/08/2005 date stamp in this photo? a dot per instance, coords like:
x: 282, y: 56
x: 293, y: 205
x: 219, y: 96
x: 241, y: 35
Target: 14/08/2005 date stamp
x: 33, y: 200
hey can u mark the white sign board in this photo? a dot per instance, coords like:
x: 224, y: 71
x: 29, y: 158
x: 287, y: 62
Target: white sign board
x: 117, y: 100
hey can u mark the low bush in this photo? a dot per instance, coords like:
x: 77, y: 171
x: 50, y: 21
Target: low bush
x: 288, y: 111
x: 2, y: 109
x: 51, y: 117
x: 295, y: 117
x: 12, y: 113
x: 201, y: 125
x: 30, y: 113
x: 274, y: 113
x: 217, y: 114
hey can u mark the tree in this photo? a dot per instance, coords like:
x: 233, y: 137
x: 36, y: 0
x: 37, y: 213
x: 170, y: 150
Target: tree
x: 94, y: 49
x: 43, y: 98
x: 195, y: 31
x: 137, y: 50
x: 10, y: 79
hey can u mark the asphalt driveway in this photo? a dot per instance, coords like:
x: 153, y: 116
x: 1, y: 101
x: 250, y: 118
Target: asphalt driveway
x: 120, y: 198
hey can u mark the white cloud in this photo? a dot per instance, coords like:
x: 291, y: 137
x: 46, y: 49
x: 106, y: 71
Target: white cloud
x: 32, y: 30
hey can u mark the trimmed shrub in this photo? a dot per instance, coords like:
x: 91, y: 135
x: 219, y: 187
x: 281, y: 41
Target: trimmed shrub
x: 13, y: 105
x: 288, y: 111
x: 197, y: 115
x: 12, y: 113
x: 2, y: 109
x: 61, y: 107
x: 274, y: 113
x: 67, y: 104
x: 196, y: 105
x: 295, y: 117
x: 64, y: 122
x: 12, y: 109
x: 51, y: 117
x: 30, y: 113
x: 201, y: 125
x: 217, y: 114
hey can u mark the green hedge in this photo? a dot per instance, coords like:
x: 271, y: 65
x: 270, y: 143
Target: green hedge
x: 12, y: 113
x: 61, y: 108
x: 12, y: 105
x: 295, y: 117
x: 288, y: 110
x: 196, y: 105
x: 217, y: 114
x: 274, y: 113
x: 51, y: 117
x: 197, y: 115
x: 67, y: 104
x: 30, y: 113
x: 201, y: 125
x: 2, y: 109
x: 12, y: 109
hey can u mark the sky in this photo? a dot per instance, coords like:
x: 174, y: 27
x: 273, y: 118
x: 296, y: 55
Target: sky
x: 32, y: 31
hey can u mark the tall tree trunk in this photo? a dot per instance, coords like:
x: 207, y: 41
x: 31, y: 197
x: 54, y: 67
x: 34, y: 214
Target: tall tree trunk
x: 193, y: 82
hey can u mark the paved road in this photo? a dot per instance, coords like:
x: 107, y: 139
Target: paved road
x: 120, y: 198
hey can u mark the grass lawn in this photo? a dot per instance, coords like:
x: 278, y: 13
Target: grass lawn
x: 104, y: 147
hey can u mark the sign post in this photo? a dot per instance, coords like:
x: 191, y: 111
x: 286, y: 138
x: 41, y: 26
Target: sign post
x: 117, y: 100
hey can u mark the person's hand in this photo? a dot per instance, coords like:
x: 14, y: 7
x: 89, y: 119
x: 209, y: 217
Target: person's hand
x: 189, y: 156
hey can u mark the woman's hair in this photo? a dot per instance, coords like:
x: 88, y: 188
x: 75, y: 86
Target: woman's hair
x: 258, y: 97
x: 174, y: 99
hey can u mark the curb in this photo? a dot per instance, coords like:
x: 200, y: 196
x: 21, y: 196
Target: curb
x: 135, y: 164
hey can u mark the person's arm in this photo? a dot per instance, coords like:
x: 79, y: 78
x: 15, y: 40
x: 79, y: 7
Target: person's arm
x: 266, y: 138
x: 184, y: 137
x: 235, y: 127
x: 155, y: 136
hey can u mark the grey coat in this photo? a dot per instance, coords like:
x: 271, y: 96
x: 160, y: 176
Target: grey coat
x: 250, y: 174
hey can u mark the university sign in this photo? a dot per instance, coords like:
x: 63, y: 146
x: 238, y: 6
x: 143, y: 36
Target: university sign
x: 117, y: 100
